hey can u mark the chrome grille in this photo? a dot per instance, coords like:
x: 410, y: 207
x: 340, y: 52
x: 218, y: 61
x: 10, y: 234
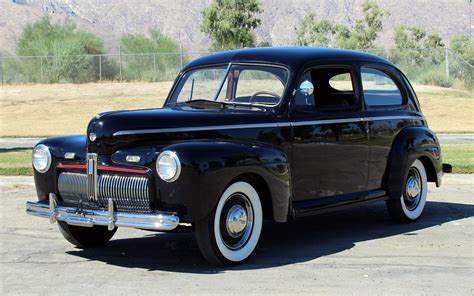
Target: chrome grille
x: 129, y: 193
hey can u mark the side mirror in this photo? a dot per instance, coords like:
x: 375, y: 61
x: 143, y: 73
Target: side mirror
x: 306, y: 88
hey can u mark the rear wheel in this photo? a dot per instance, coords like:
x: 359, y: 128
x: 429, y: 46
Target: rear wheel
x: 231, y: 232
x: 410, y: 205
x: 86, y: 237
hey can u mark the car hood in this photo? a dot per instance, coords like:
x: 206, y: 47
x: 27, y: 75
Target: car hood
x: 117, y: 129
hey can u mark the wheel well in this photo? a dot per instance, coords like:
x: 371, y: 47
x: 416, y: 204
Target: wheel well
x: 429, y: 167
x: 263, y: 192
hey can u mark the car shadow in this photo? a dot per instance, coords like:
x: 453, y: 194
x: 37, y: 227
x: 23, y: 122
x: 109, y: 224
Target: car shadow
x: 280, y: 244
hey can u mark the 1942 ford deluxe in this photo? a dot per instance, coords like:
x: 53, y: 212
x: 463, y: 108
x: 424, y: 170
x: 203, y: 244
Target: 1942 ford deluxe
x: 244, y: 135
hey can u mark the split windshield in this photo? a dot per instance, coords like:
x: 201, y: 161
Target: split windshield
x: 233, y: 84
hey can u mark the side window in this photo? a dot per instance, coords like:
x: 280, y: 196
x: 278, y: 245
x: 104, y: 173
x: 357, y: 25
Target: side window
x: 267, y: 85
x: 341, y: 82
x: 333, y: 89
x: 379, y: 88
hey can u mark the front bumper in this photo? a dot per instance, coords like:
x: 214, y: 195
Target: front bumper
x: 161, y: 221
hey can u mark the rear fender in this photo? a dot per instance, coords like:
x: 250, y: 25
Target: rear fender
x: 410, y: 144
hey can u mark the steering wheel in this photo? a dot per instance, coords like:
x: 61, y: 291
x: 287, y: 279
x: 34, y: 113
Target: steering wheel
x: 266, y: 93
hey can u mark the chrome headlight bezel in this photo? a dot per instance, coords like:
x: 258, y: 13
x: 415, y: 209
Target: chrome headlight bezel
x: 164, y: 156
x: 45, y: 150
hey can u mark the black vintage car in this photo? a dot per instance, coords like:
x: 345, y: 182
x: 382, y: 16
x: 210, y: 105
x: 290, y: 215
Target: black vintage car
x: 243, y: 136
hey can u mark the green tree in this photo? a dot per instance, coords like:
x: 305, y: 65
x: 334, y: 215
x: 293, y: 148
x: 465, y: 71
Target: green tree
x: 414, y: 37
x: 64, y: 51
x: 309, y: 32
x: 324, y: 33
x: 462, y: 61
x: 464, y: 47
x: 230, y: 23
x: 366, y: 29
x: 415, y: 46
x: 154, y: 57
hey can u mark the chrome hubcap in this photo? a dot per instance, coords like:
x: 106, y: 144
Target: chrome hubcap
x: 412, y: 194
x: 236, y: 220
x: 413, y: 188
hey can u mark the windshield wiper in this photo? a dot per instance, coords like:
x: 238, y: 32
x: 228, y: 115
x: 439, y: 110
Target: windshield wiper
x: 202, y: 102
x: 222, y: 105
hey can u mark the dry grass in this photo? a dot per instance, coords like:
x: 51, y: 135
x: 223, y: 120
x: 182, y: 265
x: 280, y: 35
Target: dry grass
x: 447, y: 110
x: 60, y: 109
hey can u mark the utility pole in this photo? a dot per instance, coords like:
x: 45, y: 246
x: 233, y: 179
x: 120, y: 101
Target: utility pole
x: 100, y: 67
x: 120, y: 62
x: 470, y: 19
x: 41, y: 62
x: 181, y: 54
x: 2, y: 70
x: 446, y: 57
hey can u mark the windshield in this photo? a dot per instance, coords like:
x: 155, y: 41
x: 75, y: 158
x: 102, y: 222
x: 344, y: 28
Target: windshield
x: 234, y: 84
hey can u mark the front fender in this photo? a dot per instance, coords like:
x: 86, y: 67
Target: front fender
x: 410, y: 144
x: 208, y: 167
x: 45, y: 182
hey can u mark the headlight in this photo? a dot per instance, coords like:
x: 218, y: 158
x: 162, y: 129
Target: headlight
x: 41, y: 158
x: 168, y: 166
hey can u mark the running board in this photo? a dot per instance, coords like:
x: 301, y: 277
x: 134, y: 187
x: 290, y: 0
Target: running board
x: 334, y: 203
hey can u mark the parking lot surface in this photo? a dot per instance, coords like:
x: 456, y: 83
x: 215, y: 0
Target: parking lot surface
x: 355, y: 251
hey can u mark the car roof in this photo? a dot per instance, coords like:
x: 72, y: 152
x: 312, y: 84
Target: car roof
x: 293, y: 57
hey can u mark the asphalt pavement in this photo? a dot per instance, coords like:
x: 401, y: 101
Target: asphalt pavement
x: 355, y: 251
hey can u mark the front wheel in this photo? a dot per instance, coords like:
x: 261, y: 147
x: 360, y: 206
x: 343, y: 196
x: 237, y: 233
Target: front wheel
x: 231, y: 232
x: 86, y: 237
x: 410, y: 205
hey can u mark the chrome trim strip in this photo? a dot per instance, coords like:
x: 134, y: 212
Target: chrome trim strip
x: 162, y: 221
x: 355, y: 119
x: 262, y: 125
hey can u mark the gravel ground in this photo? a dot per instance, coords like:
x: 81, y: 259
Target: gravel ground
x: 356, y: 251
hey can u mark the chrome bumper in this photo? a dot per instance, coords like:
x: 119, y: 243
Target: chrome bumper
x: 163, y: 221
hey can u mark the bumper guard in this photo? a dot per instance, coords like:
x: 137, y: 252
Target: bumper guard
x: 161, y: 221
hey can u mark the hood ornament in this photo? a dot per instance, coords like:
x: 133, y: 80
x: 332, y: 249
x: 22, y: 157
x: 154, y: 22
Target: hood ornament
x: 92, y: 137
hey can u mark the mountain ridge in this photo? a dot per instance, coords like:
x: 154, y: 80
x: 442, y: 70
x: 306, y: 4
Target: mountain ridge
x: 180, y: 20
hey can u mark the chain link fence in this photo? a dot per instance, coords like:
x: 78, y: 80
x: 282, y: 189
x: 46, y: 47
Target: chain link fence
x: 432, y: 66
x: 439, y: 66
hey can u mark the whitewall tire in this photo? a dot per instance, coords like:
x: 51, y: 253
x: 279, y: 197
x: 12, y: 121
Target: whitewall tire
x: 411, y: 203
x: 231, y: 232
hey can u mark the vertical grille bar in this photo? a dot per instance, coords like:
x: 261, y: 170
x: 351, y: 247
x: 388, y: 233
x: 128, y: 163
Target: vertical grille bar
x: 92, y: 176
x: 129, y: 193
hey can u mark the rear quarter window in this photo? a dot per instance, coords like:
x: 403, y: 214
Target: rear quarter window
x: 379, y: 89
x: 341, y: 82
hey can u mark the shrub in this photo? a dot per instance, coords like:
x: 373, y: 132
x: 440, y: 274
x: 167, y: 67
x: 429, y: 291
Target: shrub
x: 435, y: 77
x: 152, y: 58
x: 64, y: 54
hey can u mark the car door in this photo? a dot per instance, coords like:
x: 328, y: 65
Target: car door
x: 330, y: 142
x: 390, y: 107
